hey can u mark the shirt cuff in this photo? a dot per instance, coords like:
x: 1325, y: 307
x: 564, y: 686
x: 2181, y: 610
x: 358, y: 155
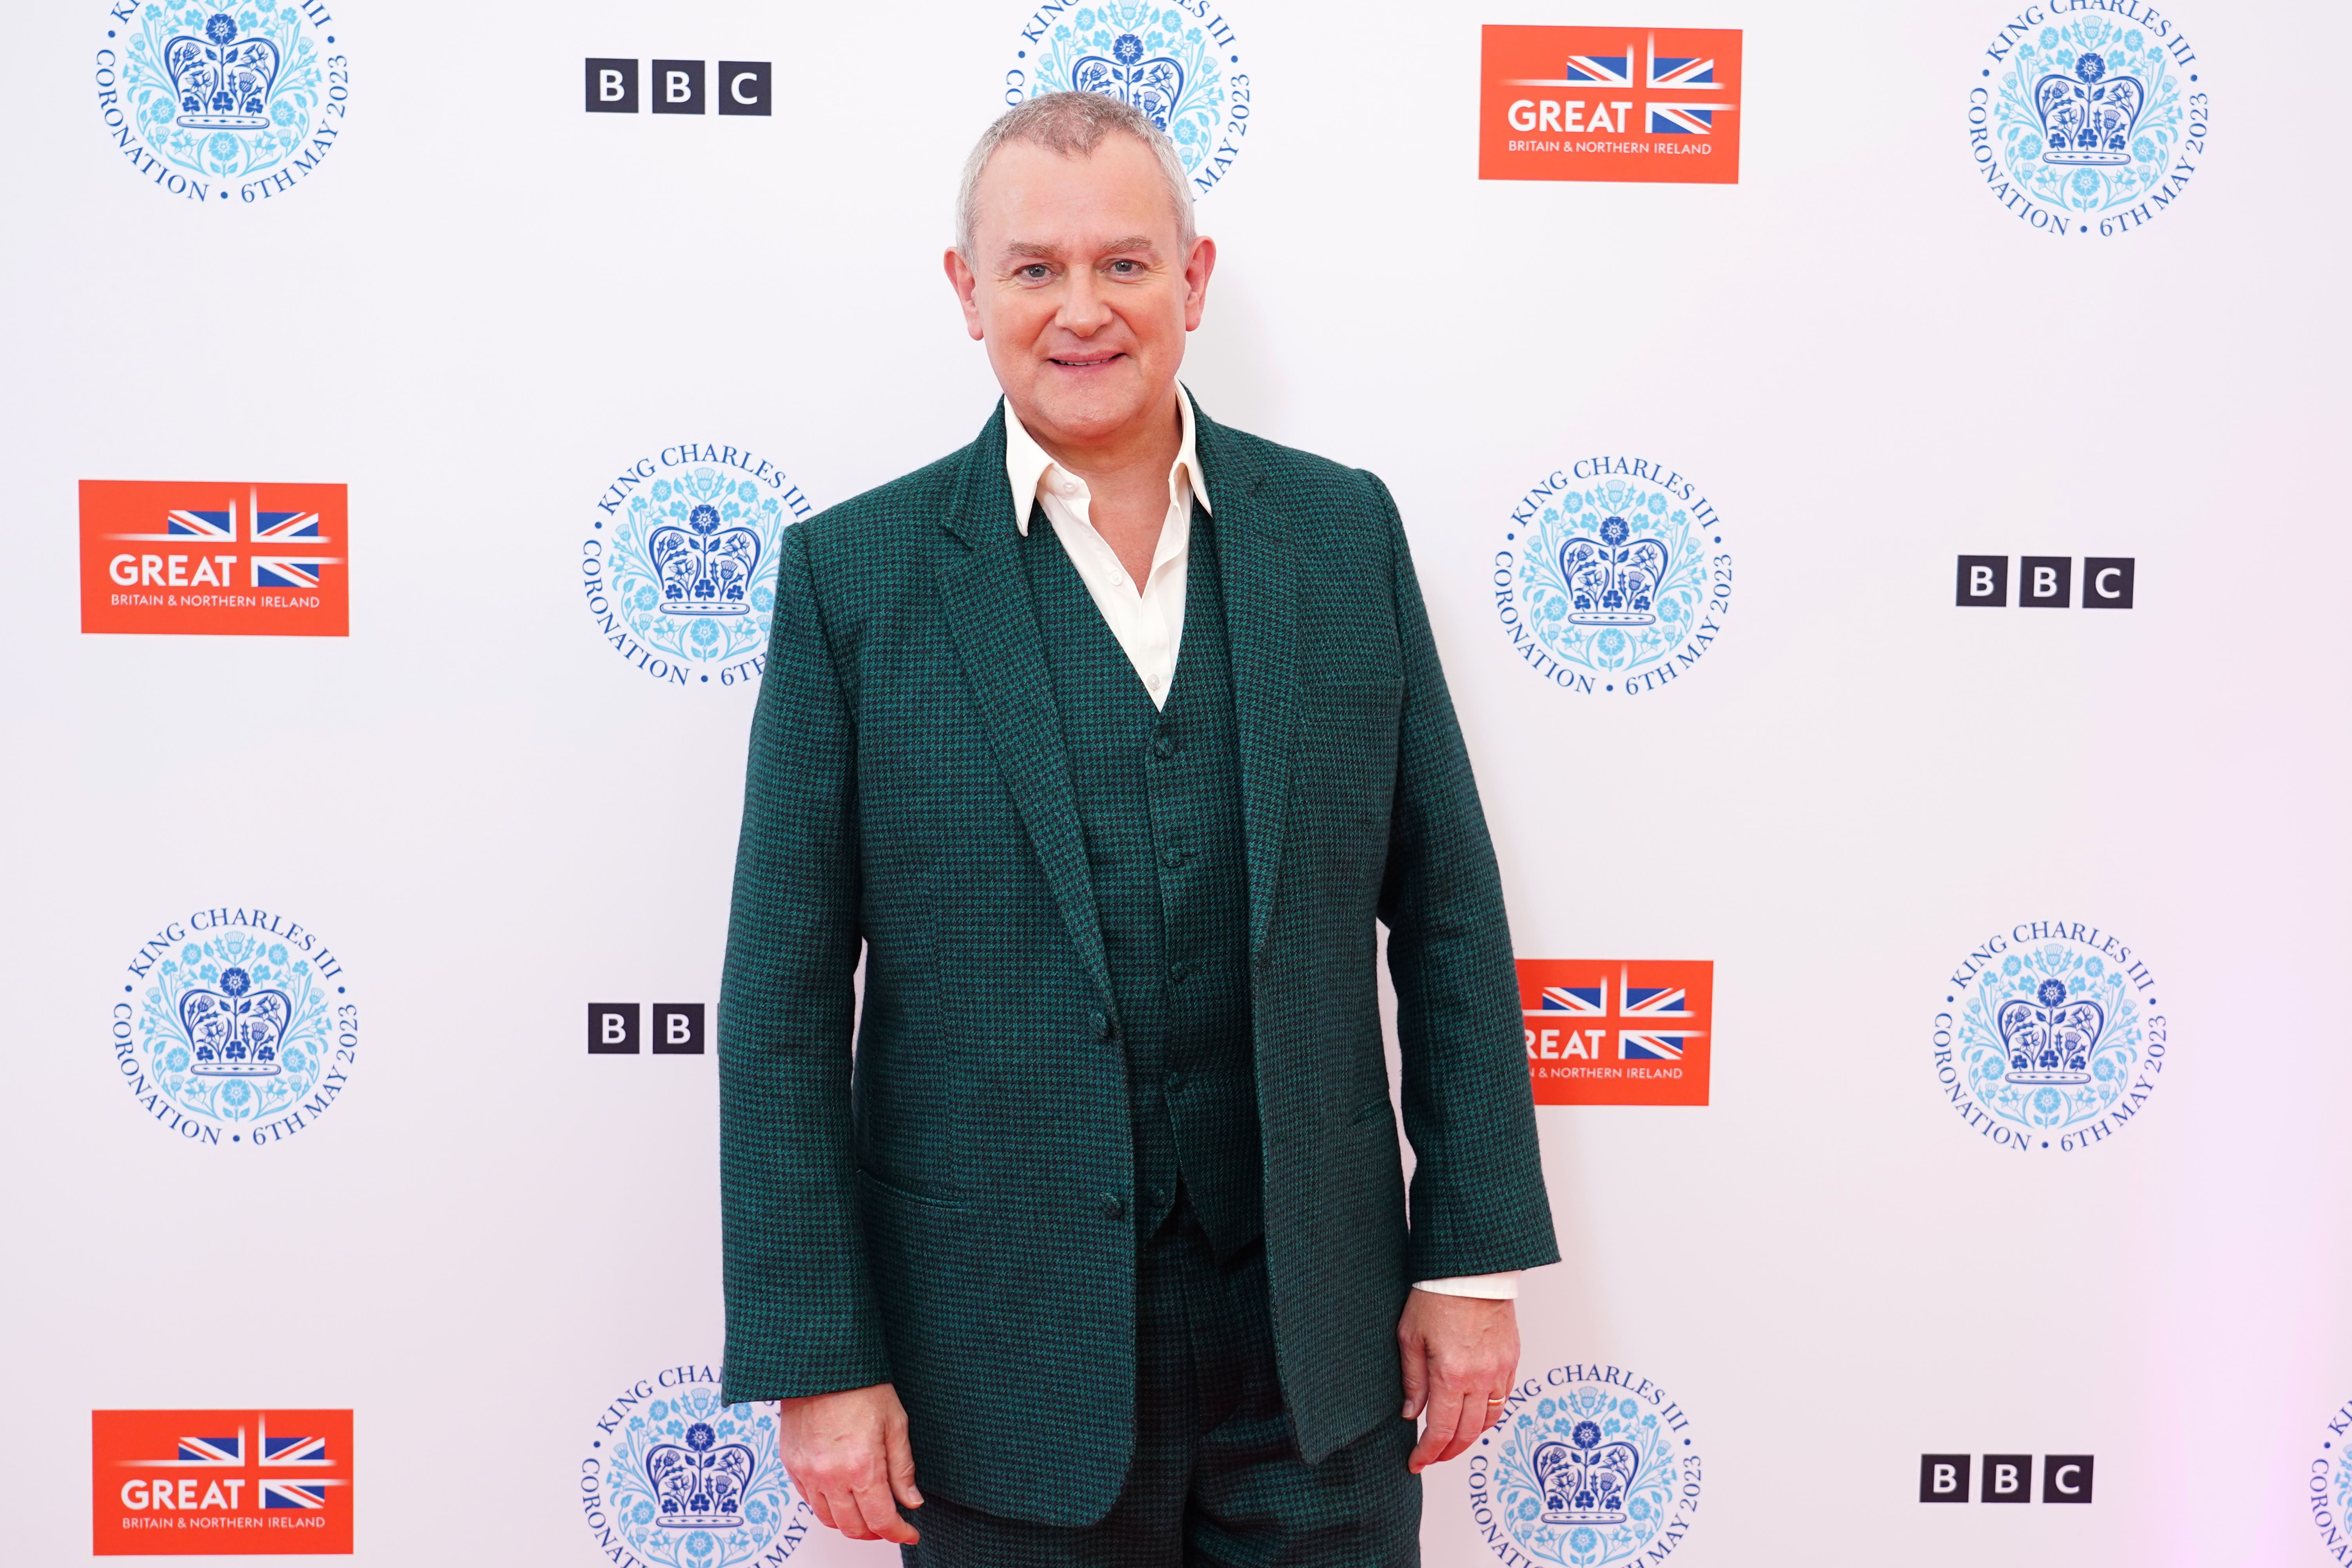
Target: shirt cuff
x: 1488, y: 1287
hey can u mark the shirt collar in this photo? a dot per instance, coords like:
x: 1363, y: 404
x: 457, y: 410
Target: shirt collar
x: 1026, y: 463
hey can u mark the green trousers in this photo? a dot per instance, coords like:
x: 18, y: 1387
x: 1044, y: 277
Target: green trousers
x: 1216, y: 1480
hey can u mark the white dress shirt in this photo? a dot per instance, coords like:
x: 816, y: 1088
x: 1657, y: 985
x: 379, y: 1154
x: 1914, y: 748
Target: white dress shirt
x: 1148, y: 621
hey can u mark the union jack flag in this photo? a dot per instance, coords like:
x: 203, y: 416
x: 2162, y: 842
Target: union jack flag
x: 213, y: 1450
x: 1600, y: 70
x: 289, y: 570
x: 1660, y: 1002
x: 1589, y: 1001
x: 220, y: 525
x: 1667, y: 70
x: 294, y: 1451
x: 271, y: 526
x: 1657, y: 1001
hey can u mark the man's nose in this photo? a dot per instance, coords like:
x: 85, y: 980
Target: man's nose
x: 1084, y: 310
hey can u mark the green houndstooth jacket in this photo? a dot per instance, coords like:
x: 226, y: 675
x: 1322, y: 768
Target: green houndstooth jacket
x: 949, y: 1218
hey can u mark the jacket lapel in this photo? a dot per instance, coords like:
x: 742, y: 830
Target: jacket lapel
x: 1261, y: 589
x: 990, y: 616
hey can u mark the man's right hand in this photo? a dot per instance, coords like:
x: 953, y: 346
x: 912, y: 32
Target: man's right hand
x: 847, y: 1453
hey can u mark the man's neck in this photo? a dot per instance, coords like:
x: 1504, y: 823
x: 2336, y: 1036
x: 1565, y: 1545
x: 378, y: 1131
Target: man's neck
x: 1127, y: 478
x: 1144, y: 447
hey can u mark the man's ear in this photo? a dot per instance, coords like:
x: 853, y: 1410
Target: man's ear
x: 964, y: 282
x: 1198, y: 265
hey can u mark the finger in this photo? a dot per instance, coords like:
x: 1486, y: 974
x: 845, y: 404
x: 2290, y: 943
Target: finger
x: 1437, y: 1429
x: 881, y: 1512
x: 1416, y: 1377
x: 1472, y: 1421
x: 902, y: 1454
x: 818, y: 1505
x: 847, y: 1517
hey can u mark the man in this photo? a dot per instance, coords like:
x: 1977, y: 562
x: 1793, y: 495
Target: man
x: 1109, y: 738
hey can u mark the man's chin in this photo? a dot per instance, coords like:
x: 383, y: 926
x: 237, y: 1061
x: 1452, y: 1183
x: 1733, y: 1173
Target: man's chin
x: 1079, y: 408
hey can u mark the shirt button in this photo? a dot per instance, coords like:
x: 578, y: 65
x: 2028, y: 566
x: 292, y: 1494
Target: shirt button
x: 1113, y: 1206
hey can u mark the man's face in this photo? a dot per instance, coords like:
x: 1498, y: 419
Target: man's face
x: 1079, y: 285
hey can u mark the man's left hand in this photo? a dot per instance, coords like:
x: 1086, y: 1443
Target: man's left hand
x: 1460, y: 1353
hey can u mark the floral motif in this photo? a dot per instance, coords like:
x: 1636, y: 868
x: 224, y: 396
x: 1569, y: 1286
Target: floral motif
x: 234, y: 963
x: 2093, y: 52
x: 1144, y: 54
x: 1585, y: 1417
x: 704, y: 501
x: 1620, y: 513
x: 151, y: 99
x: 2051, y: 974
x: 693, y: 1419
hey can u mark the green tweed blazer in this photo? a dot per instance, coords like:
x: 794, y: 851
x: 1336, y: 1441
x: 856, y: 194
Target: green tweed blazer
x: 954, y: 1215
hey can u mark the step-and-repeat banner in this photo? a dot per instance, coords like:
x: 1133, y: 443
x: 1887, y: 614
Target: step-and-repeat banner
x: 1875, y: 474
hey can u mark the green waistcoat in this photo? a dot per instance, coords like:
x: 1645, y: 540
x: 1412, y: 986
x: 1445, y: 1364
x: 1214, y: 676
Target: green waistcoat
x: 1160, y: 801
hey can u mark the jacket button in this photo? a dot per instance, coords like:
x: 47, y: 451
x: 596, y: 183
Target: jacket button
x: 1175, y: 1080
x: 1113, y: 1206
x: 1100, y: 1024
x: 1178, y: 971
x: 1163, y: 747
x: 1172, y: 859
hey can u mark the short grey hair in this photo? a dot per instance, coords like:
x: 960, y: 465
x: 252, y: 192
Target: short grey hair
x: 1071, y: 124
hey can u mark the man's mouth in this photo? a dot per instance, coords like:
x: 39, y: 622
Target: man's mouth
x: 1088, y: 362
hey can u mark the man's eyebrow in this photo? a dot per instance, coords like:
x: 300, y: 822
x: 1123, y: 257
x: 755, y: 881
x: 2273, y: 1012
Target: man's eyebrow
x: 1028, y: 248
x: 1132, y: 242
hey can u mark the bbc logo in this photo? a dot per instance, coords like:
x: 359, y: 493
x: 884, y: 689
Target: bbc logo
x: 681, y: 86
x: 2045, y: 582
x: 612, y: 1028
x: 2007, y: 1478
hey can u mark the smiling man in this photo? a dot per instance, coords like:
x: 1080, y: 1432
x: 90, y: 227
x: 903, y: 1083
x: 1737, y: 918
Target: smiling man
x: 1107, y: 740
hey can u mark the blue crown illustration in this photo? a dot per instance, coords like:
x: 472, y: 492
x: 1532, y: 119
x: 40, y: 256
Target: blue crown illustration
x: 2050, y: 1039
x: 235, y: 1029
x: 223, y: 85
x: 700, y: 1486
x: 2087, y: 118
x: 1584, y: 1480
x: 1612, y: 580
x: 705, y: 570
x: 1155, y: 86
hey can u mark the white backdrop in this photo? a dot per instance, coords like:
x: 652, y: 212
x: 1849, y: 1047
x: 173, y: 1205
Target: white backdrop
x: 486, y: 303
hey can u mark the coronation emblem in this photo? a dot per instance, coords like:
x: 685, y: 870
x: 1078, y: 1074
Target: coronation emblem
x: 1177, y: 61
x: 2091, y: 125
x: 205, y: 102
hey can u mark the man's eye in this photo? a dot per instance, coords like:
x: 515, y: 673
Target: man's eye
x: 1036, y: 272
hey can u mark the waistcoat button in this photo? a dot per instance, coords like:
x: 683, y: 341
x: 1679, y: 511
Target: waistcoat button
x: 1113, y: 1206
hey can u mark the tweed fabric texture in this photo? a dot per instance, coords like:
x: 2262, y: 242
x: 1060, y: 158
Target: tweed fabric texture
x: 1159, y: 803
x: 1217, y: 1481
x: 957, y: 1218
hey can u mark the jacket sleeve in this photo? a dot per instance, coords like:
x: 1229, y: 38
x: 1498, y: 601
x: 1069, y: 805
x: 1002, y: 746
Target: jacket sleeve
x: 800, y: 1316
x: 1478, y: 1205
